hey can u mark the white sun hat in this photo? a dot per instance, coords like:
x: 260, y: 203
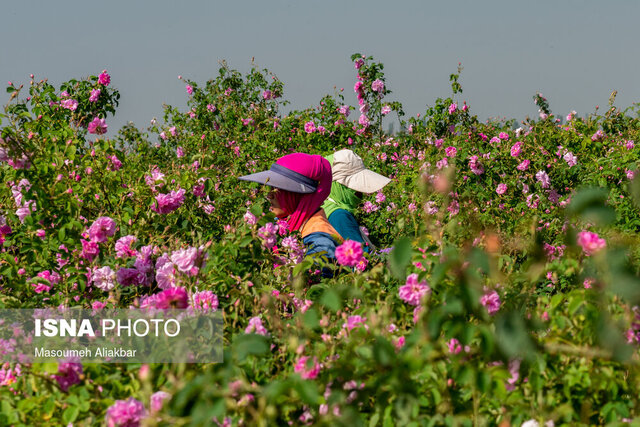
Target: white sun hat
x: 348, y: 169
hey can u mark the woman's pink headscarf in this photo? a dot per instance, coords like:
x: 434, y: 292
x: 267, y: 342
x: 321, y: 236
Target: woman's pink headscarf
x: 301, y: 207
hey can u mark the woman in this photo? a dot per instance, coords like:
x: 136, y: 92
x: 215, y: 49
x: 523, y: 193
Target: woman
x: 350, y: 180
x: 301, y: 182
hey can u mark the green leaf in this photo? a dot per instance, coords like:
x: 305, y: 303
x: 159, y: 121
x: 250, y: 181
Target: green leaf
x: 70, y: 414
x: 307, y: 391
x: 373, y: 421
x: 400, y: 258
x: 311, y: 319
x: 331, y: 300
x: 575, y: 304
x: 590, y: 204
x: 512, y: 336
x: 246, y: 344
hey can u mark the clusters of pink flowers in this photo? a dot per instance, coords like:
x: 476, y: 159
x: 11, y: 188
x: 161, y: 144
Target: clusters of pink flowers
x: 69, y: 104
x: 97, y: 126
x: 171, y: 298
x: 516, y: 149
x: 204, y: 301
x: 95, y: 94
x: 5, y: 229
x: 250, y: 218
x: 355, y: 321
x: 543, y: 179
x: 491, y: 301
x: 124, y: 247
x: 255, y: 327
x: 125, y: 413
x: 452, y: 108
x: 9, y: 375
x: 590, y: 242
x: 157, y: 400
x: 307, y: 373
x: 345, y: 110
x: 451, y: 151
x: 633, y: 333
x: 309, y: 127
x: 501, y: 188
x: 101, y: 229
x: 598, y: 136
x: 475, y: 166
x: 68, y: 375
x: 294, y: 248
x: 103, y: 278
x: 268, y: 235
x: 413, y: 291
x: 186, y: 260
x: 554, y: 252
x: 104, y: 78
x: 349, y: 253
x: 570, y: 159
x: 377, y: 85
x: 167, y: 203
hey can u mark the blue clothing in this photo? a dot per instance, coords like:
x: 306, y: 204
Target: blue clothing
x: 346, y: 225
x: 321, y: 242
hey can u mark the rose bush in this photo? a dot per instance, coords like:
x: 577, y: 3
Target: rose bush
x: 505, y: 289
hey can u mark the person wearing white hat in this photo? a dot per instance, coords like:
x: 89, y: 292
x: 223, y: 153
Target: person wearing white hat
x: 350, y: 179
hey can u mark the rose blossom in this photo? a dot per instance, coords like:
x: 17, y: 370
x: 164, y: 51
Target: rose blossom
x: 101, y: 229
x: 413, y: 291
x: 204, y: 301
x: 501, y: 188
x: 310, y: 127
x: 103, y: 278
x: 590, y: 242
x: 104, y: 78
x: 69, y: 104
x: 491, y: 301
x: 570, y: 159
x: 185, y: 260
x: 377, y: 85
x: 307, y: 373
x: 123, y: 246
x: 157, y: 400
x: 176, y: 297
x: 90, y: 249
x: 516, y: 149
x: 98, y: 126
x: 543, y: 178
x: 349, y: 253
x: 166, y: 203
x: 451, y: 151
x: 95, y: 94
x: 255, y: 327
x: 125, y: 413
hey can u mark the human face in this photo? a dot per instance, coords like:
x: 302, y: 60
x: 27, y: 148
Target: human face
x: 275, y: 206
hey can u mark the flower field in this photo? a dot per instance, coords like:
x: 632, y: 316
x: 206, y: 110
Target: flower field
x: 504, y: 288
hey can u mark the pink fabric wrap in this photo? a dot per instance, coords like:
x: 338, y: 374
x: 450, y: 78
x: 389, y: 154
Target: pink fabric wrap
x: 300, y: 207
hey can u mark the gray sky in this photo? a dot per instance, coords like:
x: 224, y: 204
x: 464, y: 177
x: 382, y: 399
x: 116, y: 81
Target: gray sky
x: 576, y: 52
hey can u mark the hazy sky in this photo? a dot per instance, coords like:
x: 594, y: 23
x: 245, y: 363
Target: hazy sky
x: 576, y: 52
